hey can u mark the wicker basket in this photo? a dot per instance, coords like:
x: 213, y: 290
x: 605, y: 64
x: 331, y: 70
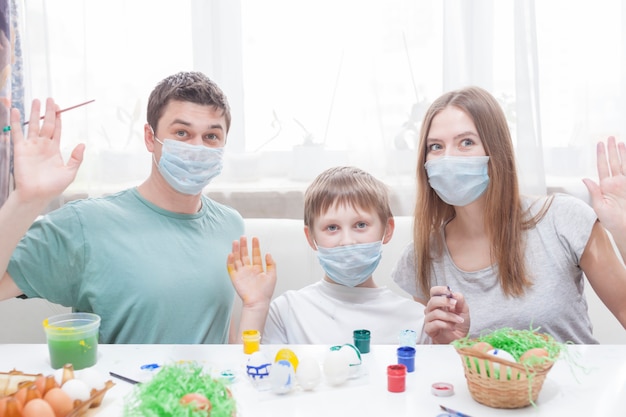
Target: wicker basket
x: 498, y: 383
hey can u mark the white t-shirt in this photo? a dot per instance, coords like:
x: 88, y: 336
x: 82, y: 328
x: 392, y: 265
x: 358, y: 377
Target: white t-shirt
x: 328, y: 313
x: 556, y: 302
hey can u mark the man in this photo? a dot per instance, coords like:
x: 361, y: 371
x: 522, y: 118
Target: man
x: 149, y: 260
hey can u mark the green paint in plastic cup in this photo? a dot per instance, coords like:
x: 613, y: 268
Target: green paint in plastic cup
x: 72, y: 338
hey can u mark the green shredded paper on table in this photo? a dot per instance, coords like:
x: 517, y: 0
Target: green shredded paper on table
x: 161, y: 396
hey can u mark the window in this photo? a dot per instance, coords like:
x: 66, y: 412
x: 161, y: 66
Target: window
x: 321, y: 83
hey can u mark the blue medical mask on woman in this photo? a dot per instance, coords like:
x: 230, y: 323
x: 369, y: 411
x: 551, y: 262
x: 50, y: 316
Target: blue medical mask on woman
x: 188, y: 168
x: 350, y: 265
x: 458, y: 180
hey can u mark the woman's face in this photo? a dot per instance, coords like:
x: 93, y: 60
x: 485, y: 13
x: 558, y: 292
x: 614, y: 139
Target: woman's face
x: 452, y: 133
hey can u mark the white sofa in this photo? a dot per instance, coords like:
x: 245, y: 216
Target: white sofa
x: 297, y: 266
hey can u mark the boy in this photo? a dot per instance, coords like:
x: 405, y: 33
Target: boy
x: 347, y: 219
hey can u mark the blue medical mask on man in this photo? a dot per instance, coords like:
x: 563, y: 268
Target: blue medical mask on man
x: 188, y: 168
x: 458, y: 180
x: 350, y: 265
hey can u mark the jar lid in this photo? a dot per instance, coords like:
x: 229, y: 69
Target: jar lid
x: 442, y: 389
x: 396, y: 370
x: 361, y: 334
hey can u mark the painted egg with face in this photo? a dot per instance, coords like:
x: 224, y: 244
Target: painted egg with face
x: 258, y: 370
x: 308, y: 374
x: 283, y: 377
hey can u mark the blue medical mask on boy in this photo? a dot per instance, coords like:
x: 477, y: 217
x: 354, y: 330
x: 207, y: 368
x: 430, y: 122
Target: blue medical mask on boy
x: 458, y: 180
x: 188, y: 168
x: 350, y: 265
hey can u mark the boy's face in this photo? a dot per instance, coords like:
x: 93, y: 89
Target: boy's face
x: 345, y: 225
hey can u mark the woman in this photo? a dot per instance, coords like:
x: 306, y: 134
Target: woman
x: 518, y: 261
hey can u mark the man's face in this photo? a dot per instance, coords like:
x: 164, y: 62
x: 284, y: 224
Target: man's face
x: 192, y: 123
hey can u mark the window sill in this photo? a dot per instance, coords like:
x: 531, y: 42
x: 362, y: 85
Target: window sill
x: 284, y: 198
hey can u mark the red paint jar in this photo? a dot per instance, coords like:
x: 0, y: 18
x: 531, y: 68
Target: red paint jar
x: 396, y: 378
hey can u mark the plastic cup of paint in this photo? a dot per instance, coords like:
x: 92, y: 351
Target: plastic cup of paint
x: 406, y: 357
x: 396, y: 378
x: 72, y: 338
x: 251, y: 341
x: 362, y: 340
x: 407, y: 338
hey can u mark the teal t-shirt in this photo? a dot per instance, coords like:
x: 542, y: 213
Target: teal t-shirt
x: 152, y: 275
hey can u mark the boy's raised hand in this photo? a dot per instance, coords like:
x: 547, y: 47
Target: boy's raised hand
x: 39, y: 170
x: 254, y: 284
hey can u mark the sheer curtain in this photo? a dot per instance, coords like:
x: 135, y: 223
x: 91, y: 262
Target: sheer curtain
x: 10, y: 68
x: 113, y: 51
x: 314, y: 84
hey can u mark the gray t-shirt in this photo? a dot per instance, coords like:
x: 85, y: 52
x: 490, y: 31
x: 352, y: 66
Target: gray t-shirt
x: 555, y: 303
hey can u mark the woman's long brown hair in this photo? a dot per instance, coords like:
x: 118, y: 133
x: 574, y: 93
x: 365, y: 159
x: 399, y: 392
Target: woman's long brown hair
x: 504, y: 218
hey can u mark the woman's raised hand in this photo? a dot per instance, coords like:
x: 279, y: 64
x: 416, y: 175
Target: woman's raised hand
x: 608, y: 197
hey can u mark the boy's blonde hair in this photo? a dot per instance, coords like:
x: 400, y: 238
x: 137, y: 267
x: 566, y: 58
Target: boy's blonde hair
x: 345, y: 186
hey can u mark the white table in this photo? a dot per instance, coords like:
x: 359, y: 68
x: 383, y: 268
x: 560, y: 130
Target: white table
x: 600, y: 391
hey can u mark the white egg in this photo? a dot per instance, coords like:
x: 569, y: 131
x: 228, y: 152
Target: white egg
x: 92, y: 377
x: 77, y: 389
x: 308, y: 373
x: 353, y: 356
x: 336, y: 367
x: 283, y: 377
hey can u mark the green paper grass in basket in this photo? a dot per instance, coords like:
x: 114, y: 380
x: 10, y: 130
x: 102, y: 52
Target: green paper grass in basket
x: 528, y: 347
x: 172, y: 393
x: 519, y: 385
